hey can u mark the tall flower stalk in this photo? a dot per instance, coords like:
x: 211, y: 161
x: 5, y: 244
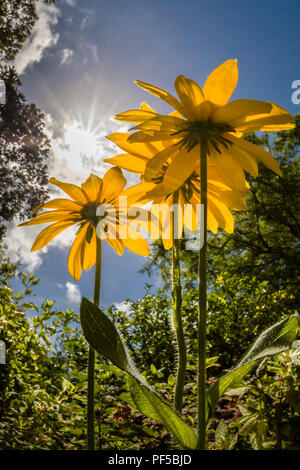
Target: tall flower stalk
x: 203, y: 126
x: 177, y: 308
x: 96, y: 209
x: 166, y: 199
x: 202, y: 313
x: 91, y: 357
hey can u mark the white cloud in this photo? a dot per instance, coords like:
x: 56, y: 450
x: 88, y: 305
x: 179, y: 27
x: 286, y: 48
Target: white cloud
x: 41, y: 38
x: 71, y: 3
x: 123, y: 306
x: 73, y: 292
x: 66, y: 163
x: 66, y: 56
x: 19, y: 242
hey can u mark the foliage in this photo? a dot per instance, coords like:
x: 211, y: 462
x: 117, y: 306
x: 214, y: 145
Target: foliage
x: 24, y: 148
x: 17, y: 20
x: 265, y: 412
x: 43, y: 384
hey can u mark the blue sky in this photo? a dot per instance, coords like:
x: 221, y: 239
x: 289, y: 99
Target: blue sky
x: 80, y: 64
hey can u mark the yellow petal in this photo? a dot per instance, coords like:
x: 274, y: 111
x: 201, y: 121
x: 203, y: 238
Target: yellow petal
x: 136, y: 242
x: 135, y: 115
x: 221, y: 83
x: 51, y: 216
x: 154, y: 165
x: 164, y: 95
x: 180, y: 169
x: 128, y: 162
x: 229, y: 170
x: 237, y: 113
x: 64, y: 204
x: 257, y: 152
x: 75, y: 192
x: 76, y: 254
x: 145, y: 107
x: 92, y: 187
x: 168, y: 124
x: 137, y: 194
x: 190, y: 95
x: 233, y: 199
x: 145, y: 151
x: 221, y: 213
x: 116, y: 244
x: 150, y: 136
x: 246, y: 161
x: 276, y: 119
x: 46, y: 235
x: 113, y: 183
x: 90, y: 252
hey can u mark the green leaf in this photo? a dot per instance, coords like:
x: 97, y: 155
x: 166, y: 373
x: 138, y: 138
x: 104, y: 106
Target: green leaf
x: 274, y: 340
x: 104, y: 337
x: 151, y: 405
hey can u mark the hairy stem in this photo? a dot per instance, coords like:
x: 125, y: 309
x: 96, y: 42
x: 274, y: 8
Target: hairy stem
x: 177, y: 314
x: 91, y: 360
x: 201, y: 369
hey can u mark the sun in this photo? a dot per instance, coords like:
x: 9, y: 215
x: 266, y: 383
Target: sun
x: 82, y: 142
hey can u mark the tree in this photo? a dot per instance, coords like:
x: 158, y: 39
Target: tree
x: 17, y: 18
x: 24, y: 148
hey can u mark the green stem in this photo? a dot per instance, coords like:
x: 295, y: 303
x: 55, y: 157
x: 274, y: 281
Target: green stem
x: 91, y: 360
x: 177, y: 316
x: 201, y: 372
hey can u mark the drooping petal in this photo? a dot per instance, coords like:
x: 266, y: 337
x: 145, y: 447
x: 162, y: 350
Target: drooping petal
x: 113, y: 183
x: 116, y: 244
x: 76, y: 254
x: 228, y: 169
x: 154, y: 165
x: 90, y: 251
x: 46, y: 235
x: 221, y: 83
x: 136, y: 242
x: 257, y: 152
x: 221, y: 213
x: 75, y: 192
x: 180, y: 169
x: 245, y: 160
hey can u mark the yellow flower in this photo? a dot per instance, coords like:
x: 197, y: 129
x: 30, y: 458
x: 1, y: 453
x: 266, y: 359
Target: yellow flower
x: 220, y: 196
x: 205, y: 114
x: 81, y: 210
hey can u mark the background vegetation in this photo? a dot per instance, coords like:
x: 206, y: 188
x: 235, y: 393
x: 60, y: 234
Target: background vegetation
x: 252, y: 284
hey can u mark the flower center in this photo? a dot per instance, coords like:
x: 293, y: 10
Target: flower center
x: 195, y: 133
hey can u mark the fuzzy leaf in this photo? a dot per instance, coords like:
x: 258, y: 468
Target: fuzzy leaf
x: 274, y: 340
x: 104, y: 337
x: 151, y: 405
x: 102, y: 334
